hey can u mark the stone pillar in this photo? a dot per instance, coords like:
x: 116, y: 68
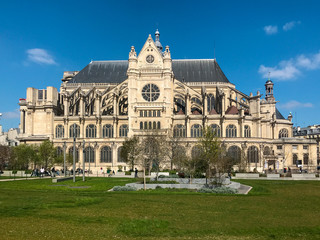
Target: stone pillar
x: 66, y: 106
x: 205, y: 110
x: 22, y: 120
x: 97, y: 105
x: 188, y: 105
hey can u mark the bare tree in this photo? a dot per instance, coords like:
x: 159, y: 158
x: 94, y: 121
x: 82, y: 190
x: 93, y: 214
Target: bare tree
x: 5, y: 156
x: 130, y: 151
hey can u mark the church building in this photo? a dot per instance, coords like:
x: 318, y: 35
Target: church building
x: 108, y: 101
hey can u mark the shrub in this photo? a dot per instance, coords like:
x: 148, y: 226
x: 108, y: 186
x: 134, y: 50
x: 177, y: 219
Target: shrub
x: 14, y: 171
x: 27, y: 171
x: 181, y: 175
x: 158, y: 187
x: 124, y: 188
x: 173, y: 172
x: 128, y: 173
x: 220, y: 190
x: 262, y: 175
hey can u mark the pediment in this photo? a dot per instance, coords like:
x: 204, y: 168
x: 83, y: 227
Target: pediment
x: 150, y: 56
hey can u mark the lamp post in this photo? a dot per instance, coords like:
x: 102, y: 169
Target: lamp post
x: 64, y: 159
x: 89, y: 159
x: 74, y: 154
x: 83, y: 163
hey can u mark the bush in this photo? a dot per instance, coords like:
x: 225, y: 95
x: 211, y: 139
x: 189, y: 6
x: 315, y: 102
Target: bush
x: 173, y: 172
x: 27, y: 171
x: 128, y: 173
x: 220, y: 190
x: 14, y: 171
x: 262, y: 175
x: 181, y: 175
x: 158, y: 187
x: 124, y: 188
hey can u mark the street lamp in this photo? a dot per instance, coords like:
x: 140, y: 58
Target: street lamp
x: 83, y: 163
x: 64, y: 158
x: 74, y: 153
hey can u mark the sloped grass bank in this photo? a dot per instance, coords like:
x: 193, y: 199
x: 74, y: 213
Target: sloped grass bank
x: 38, y: 209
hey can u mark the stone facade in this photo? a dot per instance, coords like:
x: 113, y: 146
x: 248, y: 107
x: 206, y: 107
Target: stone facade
x: 108, y: 101
x: 9, y: 138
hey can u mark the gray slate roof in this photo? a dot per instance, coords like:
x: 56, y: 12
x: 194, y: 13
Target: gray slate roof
x: 199, y: 70
x: 278, y: 114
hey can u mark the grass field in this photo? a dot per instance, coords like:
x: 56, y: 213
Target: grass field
x: 38, y: 209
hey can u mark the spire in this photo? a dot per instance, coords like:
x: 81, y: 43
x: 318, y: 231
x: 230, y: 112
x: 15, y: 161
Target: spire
x: 157, y: 42
x: 269, y: 90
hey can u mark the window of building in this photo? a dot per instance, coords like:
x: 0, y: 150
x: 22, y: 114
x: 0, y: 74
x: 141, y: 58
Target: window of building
x: 306, y: 158
x: 231, y: 131
x: 150, y: 92
x: 71, y: 153
x: 123, y: 130
x: 247, y: 131
x: 141, y: 113
x: 106, y: 155
x: 234, y: 153
x: 305, y: 147
x: 196, y: 131
x: 145, y: 113
x: 120, y: 159
x: 196, y: 152
x: 141, y: 125
x: 279, y: 147
x: 283, y: 133
x: 59, y: 151
x: 294, y: 159
x: 253, y: 154
x: 107, y: 131
x: 216, y: 130
x: 59, y: 131
x: 294, y: 147
x: 179, y: 131
x: 89, y: 155
x: 210, y: 102
x: 158, y: 113
x: 74, y: 131
x: 91, y: 131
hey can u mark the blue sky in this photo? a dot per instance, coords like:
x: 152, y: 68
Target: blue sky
x: 41, y: 39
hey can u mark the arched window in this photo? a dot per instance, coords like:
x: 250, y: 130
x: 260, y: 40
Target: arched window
x: 120, y: 159
x: 150, y: 125
x: 91, y: 131
x: 145, y: 125
x: 216, y: 129
x: 158, y: 125
x: 71, y: 153
x: 196, y: 131
x: 231, y: 131
x: 123, y: 130
x: 196, y: 152
x: 266, y: 151
x: 89, y: 155
x: 179, y: 130
x: 59, y: 151
x: 210, y: 101
x: 106, y: 155
x: 59, y: 131
x: 74, y: 131
x: 306, y: 158
x: 294, y: 159
x: 253, y: 154
x: 107, y: 131
x: 141, y: 125
x: 234, y: 152
x: 180, y: 105
x: 247, y: 131
x: 283, y: 133
x: 154, y: 125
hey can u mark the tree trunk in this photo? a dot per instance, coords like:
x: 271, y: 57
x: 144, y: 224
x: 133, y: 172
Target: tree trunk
x: 144, y: 178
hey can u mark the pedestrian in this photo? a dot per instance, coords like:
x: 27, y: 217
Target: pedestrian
x: 135, y: 172
x: 41, y: 171
x: 53, y: 172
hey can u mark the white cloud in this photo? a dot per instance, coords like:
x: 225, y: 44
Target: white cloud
x: 11, y: 115
x: 290, y: 69
x: 289, y: 25
x: 284, y: 71
x: 269, y: 30
x: 312, y: 62
x: 40, y: 56
x: 293, y: 104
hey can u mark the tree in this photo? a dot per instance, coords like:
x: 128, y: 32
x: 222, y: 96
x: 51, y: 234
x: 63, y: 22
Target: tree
x: 5, y: 156
x: 154, y: 151
x: 213, y: 156
x: 23, y: 155
x: 130, y: 151
x: 47, y: 153
x: 175, y: 153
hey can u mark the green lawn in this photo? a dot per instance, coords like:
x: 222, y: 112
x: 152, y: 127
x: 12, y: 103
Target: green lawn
x: 38, y: 209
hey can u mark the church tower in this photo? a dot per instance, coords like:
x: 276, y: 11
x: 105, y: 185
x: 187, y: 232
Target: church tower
x: 269, y: 91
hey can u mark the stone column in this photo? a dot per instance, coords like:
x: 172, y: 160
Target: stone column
x: 66, y: 106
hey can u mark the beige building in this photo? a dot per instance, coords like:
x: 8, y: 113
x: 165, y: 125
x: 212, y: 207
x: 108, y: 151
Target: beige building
x: 108, y: 101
